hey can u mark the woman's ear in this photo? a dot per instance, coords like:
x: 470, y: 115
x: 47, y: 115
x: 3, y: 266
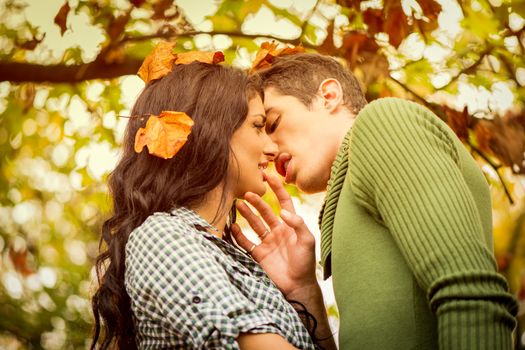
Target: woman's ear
x: 332, y: 94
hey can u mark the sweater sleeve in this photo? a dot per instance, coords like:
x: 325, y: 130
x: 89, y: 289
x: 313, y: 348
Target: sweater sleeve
x: 405, y: 171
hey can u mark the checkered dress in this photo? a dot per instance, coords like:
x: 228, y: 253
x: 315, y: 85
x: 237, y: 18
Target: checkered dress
x: 192, y: 290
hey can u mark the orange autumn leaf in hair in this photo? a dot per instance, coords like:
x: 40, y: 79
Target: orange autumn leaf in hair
x: 200, y: 56
x: 158, y: 63
x: 164, y: 135
x: 269, y: 51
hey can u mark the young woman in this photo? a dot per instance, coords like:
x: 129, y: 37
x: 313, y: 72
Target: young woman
x: 170, y: 276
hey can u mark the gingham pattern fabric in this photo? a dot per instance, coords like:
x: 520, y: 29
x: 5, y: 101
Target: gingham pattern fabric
x: 191, y: 290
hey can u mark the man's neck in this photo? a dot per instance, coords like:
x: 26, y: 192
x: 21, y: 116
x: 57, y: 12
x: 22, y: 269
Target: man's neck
x: 342, y: 124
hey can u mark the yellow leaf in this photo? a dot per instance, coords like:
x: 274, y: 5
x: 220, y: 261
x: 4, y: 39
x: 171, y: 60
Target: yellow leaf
x: 158, y: 63
x: 164, y: 135
x: 269, y: 51
x: 200, y: 56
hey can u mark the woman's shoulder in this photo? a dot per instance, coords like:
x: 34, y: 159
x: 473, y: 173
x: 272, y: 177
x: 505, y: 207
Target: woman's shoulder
x: 162, y: 231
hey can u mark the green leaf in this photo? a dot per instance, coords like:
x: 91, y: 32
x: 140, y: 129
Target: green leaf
x: 480, y: 23
x: 224, y: 23
x: 310, y: 33
x: 481, y: 79
x: 285, y: 13
x: 417, y: 75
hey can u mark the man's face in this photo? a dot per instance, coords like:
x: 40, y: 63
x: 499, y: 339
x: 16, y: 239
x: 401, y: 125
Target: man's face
x: 306, y: 152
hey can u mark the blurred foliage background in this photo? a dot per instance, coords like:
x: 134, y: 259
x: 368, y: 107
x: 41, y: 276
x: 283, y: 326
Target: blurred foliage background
x: 67, y: 71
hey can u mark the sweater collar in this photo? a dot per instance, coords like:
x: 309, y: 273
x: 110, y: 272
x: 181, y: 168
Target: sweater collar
x: 326, y: 217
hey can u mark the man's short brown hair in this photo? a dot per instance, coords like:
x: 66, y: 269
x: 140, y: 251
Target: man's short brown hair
x: 300, y: 75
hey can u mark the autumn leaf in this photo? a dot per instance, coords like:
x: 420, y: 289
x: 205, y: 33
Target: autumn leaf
x: 31, y: 44
x: 504, y: 137
x: 263, y: 58
x: 199, y: 56
x: 374, y: 20
x: 137, y: 3
x: 117, y: 25
x: 396, y: 25
x: 352, y: 43
x: 164, y: 135
x: 160, y: 7
x: 158, y: 63
x: 270, y: 50
x: 61, y: 17
x: 431, y: 10
x: 20, y: 261
x: 458, y: 121
x: 328, y: 46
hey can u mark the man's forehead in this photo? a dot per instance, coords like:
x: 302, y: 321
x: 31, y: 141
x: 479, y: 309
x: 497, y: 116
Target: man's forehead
x: 272, y: 98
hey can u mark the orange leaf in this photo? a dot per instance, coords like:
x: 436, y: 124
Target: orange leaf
x: 396, y: 25
x: 374, y: 20
x: 164, y: 135
x: 458, y: 121
x: 269, y: 51
x: 200, y: 56
x: 20, y: 261
x: 504, y: 137
x: 431, y: 9
x: 158, y: 63
x: 61, y: 17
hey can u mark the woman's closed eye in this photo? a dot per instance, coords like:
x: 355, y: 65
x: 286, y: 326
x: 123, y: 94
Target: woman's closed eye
x: 259, y: 126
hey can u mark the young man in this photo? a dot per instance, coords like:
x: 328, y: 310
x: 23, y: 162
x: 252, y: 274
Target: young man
x: 406, y: 227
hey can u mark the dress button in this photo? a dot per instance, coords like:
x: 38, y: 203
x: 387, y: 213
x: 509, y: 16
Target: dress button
x: 196, y: 300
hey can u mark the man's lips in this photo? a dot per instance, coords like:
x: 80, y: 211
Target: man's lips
x: 281, y: 163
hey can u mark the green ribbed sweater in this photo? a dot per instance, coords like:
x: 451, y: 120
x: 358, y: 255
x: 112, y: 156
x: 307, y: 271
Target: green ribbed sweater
x: 406, y: 233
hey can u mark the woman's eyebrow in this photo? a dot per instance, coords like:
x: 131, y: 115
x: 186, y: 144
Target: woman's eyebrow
x: 260, y: 115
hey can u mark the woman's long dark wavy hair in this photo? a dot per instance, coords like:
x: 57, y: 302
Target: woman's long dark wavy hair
x: 216, y: 97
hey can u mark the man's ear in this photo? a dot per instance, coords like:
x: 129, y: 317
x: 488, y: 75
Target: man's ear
x: 331, y: 93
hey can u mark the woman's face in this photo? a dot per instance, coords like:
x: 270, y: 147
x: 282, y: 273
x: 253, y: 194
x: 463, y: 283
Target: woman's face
x: 252, y: 149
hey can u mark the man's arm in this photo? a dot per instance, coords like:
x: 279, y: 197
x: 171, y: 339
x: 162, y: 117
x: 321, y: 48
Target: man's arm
x: 405, y: 170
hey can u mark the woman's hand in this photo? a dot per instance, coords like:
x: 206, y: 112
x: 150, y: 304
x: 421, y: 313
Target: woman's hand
x: 287, y: 248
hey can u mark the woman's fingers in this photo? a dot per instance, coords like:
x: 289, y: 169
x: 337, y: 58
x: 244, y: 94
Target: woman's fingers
x: 297, y: 223
x: 253, y: 220
x: 284, y: 198
x: 263, y: 208
x: 242, y: 240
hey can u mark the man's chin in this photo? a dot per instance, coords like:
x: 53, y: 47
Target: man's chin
x: 311, y: 185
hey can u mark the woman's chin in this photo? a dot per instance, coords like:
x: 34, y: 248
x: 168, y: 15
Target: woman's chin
x: 262, y: 191
x: 259, y: 189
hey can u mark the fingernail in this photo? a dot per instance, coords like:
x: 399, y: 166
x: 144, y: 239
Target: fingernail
x: 286, y: 214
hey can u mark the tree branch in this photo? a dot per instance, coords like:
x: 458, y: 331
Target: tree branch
x: 171, y: 35
x: 468, y: 69
x: 495, y: 167
x: 38, y: 73
x: 406, y: 88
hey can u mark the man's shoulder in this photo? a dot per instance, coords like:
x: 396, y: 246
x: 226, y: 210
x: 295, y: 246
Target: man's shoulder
x: 390, y: 119
x: 393, y: 108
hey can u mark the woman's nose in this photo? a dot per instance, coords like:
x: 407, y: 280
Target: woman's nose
x: 270, y: 150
